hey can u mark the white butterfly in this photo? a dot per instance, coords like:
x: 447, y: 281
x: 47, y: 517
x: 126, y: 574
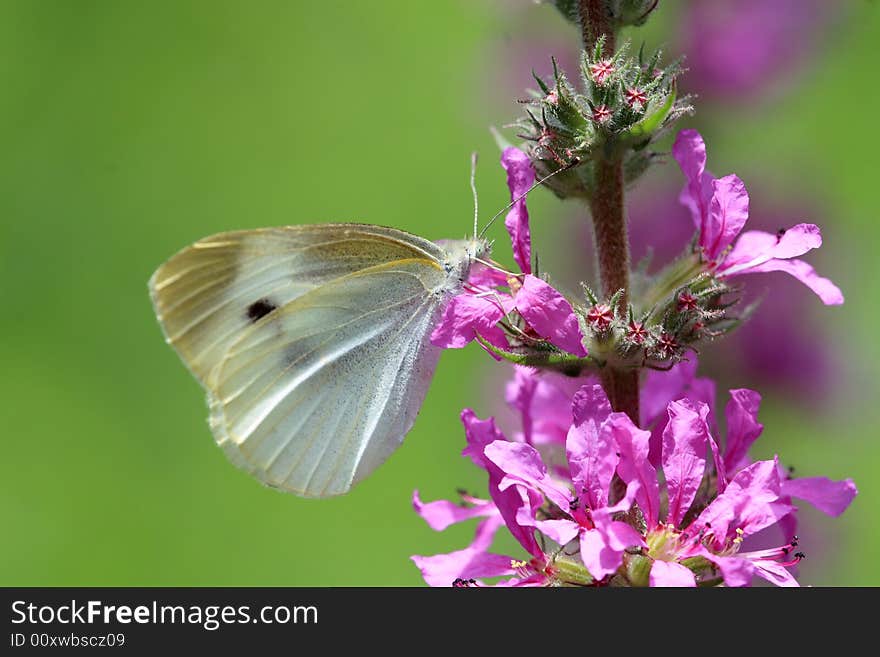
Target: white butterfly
x: 311, y: 341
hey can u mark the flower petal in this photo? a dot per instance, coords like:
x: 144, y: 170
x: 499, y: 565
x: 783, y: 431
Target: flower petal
x: 664, y: 386
x: 728, y: 212
x: 591, y: 451
x: 440, y: 514
x: 720, y: 470
x: 467, y: 314
x: 751, y: 502
x: 549, y: 410
x: 736, y: 571
x: 471, y: 562
x: 660, y: 388
x: 831, y: 497
x: 550, y: 314
x: 671, y: 574
x: 757, y: 246
x: 635, y: 466
x: 743, y: 427
x: 756, y: 252
x: 522, y: 465
x: 561, y: 531
x: 520, y: 394
x: 484, y: 276
x: 481, y: 433
x: 520, y: 177
x: 478, y: 434
x: 602, y: 548
x: 775, y: 573
x: 689, y: 150
x: 826, y: 290
x: 684, y: 455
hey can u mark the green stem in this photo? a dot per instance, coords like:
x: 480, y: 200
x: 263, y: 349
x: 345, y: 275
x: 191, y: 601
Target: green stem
x: 562, y: 362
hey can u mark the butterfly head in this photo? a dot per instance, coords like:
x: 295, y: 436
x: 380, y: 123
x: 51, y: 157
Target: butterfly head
x: 460, y: 257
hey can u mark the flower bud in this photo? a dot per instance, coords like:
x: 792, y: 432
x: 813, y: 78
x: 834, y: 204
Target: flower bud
x: 623, y: 104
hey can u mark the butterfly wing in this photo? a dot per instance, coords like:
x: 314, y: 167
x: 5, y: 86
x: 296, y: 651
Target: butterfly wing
x: 208, y: 293
x: 315, y: 399
x: 314, y: 387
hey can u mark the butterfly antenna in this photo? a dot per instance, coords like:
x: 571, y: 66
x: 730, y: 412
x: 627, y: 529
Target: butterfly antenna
x: 474, y: 190
x: 568, y: 166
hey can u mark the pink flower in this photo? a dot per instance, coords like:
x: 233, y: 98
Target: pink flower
x: 743, y: 429
x: 520, y: 177
x: 795, y: 359
x: 751, y: 502
x: 581, y: 502
x: 608, y: 505
x: 480, y: 434
x: 474, y: 561
x: 660, y: 388
x: 483, y: 303
x: 544, y: 309
x: 543, y: 401
x: 550, y: 314
x: 720, y: 208
x: 469, y: 314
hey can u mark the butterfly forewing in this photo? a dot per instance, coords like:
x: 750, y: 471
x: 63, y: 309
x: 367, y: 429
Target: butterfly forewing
x: 208, y: 293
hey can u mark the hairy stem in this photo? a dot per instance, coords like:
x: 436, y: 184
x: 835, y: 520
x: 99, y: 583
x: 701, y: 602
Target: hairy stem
x: 609, y: 224
x: 595, y: 23
x: 609, y: 220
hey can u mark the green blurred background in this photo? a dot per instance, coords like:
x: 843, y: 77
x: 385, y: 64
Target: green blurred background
x: 130, y: 129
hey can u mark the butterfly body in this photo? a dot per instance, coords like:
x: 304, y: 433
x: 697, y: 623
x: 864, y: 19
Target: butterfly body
x: 311, y: 341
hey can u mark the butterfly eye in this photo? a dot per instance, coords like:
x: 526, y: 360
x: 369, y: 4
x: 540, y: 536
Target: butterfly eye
x: 259, y: 309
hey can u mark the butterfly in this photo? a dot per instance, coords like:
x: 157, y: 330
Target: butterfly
x: 312, y: 342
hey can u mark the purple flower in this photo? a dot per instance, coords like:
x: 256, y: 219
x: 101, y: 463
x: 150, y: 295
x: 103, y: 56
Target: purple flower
x: 750, y: 503
x: 469, y: 314
x: 581, y: 502
x: 505, y: 509
x: 738, y: 47
x: 794, y: 359
x: 520, y: 177
x: 477, y: 312
x: 743, y: 429
x: 543, y: 401
x: 479, y: 308
x: 720, y: 208
x: 462, y: 566
x: 550, y: 315
x: 662, y: 387
x: 609, y: 513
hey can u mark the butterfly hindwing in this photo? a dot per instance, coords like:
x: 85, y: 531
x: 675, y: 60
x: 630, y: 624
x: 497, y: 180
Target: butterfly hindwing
x: 315, y: 397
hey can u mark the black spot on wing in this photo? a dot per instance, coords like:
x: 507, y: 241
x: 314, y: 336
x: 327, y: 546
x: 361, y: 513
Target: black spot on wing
x: 259, y: 309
